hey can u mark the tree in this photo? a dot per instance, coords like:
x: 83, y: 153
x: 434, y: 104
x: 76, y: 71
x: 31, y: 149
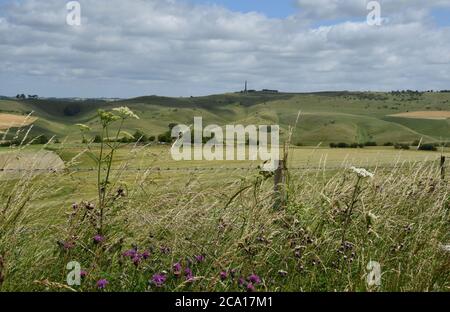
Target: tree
x: 72, y: 110
x: 427, y: 147
x: 166, y: 137
x: 139, y: 136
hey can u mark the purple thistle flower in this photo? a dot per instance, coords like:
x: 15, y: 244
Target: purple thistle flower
x: 189, y: 275
x: 250, y: 287
x: 223, y: 275
x: 200, y: 258
x: 137, y: 259
x: 130, y: 253
x: 159, y: 279
x: 254, y: 279
x: 177, y: 269
x: 98, y: 239
x: 101, y: 284
x: 146, y: 254
x: 83, y: 274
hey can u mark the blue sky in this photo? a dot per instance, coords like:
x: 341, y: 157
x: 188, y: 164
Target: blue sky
x: 442, y: 16
x: 271, y: 8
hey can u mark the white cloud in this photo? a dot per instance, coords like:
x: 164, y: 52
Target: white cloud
x: 339, y: 9
x: 136, y: 47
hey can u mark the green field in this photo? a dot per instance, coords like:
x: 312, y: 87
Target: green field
x: 326, y: 117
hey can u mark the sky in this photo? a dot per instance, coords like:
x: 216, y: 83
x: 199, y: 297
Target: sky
x: 198, y: 47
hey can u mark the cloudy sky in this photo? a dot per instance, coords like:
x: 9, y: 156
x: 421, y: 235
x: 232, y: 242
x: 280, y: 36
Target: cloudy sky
x: 196, y: 47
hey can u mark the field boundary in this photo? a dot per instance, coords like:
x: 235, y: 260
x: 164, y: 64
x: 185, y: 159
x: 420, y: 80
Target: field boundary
x: 326, y: 168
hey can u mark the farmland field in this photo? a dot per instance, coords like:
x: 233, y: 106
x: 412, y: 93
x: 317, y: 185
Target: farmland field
x: 433, y: 115
x: 14, y: 121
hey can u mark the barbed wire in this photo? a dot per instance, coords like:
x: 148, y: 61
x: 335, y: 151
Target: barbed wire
x: 186, y: 169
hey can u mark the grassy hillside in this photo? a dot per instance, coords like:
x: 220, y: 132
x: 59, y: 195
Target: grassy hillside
x: 326, y: 117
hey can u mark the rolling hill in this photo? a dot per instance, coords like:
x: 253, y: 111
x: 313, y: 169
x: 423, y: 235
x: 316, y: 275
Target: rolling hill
x: 326, y: 116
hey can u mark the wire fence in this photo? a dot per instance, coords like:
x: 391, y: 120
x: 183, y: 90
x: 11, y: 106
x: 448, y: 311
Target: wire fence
x: 203, y: 169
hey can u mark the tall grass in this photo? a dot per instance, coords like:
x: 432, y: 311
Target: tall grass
x: 226, y: 232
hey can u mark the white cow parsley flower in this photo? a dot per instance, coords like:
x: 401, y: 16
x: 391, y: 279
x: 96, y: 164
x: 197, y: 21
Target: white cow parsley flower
x: 124, y: 112
x: 361, y: 172
x: 83, y: 127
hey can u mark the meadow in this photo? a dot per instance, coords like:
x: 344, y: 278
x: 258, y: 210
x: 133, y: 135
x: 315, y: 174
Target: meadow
x: 136, y: 220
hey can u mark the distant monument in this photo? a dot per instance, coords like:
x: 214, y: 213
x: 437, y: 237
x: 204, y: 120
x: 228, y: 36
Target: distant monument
x: 245, y: 89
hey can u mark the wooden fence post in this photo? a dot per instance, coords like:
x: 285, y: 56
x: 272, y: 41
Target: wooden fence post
x: 442, y: 166
x: 280, y: 185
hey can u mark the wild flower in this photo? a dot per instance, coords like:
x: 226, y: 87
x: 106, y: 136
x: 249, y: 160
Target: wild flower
x: 254, y: 279
x: 250, y: 287
x: 159, y: 279
x: 137, y: 259
x: 361, y: 172
x: 124, y: 112
x: 101, y: 284
x: 130, y: 253
x: 98, y: 239
x: 83, y: 127
x: 107, y: 117
x: 241, y: 281
x: 223, y: 275
x: 83, y: 274
x: 146, y: 254
x: 188, y: 275
x: 176, y: 268
x: 200, y: 258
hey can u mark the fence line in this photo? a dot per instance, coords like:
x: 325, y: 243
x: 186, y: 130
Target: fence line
x: 187, y: 169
